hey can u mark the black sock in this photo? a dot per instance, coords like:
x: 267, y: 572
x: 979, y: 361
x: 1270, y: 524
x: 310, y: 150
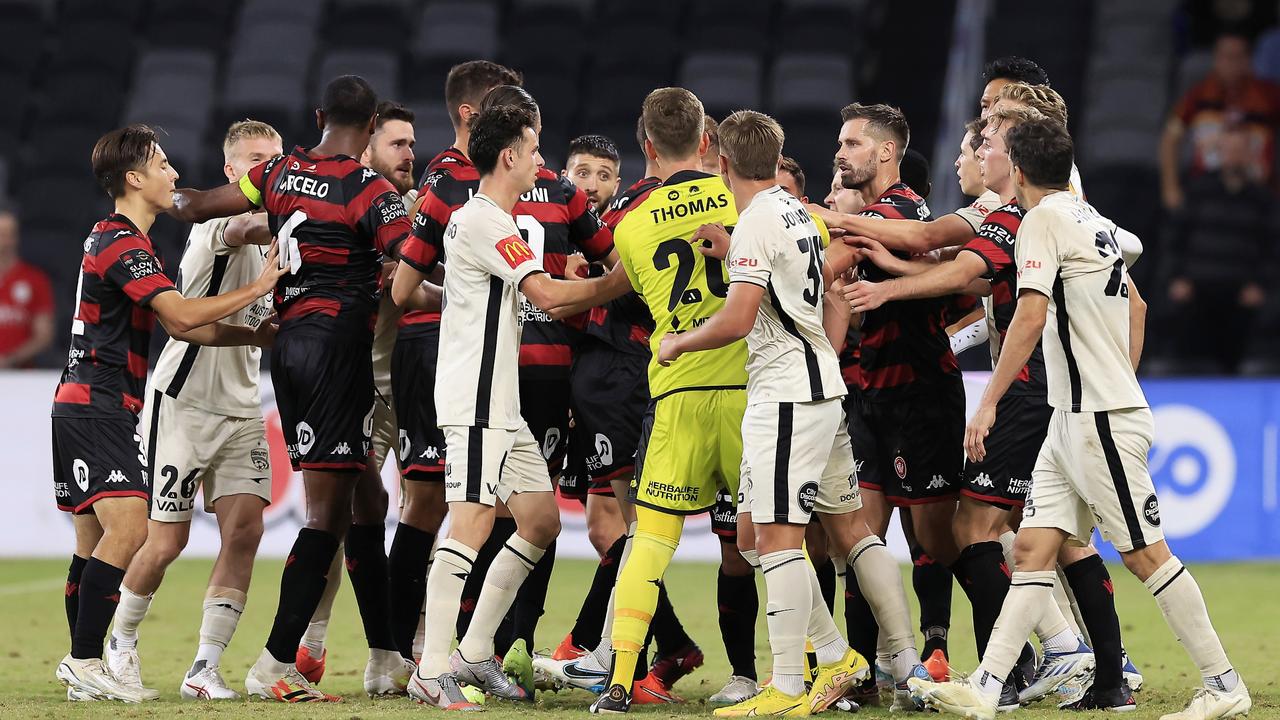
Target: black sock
x: 827, y: 581
x: 665, y: 628
x: 1091, y: 584
x: 407, y: 575
x: 72, y: 593
x: 301, y: 585
x: 99, y: 596
x: 590, y: 623
x: 503, y: 528
x: 367, y: 567
x: 985, y: 577
x: 530, y: 603
x: 859, y: 621
x: 932, y: 583
x: 739, y: 605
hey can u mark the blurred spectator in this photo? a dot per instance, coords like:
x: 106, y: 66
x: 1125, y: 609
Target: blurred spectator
x: 1218, y: 256
x: 1266, y: 53
x: 26, y: 302
x: 1230, y: 95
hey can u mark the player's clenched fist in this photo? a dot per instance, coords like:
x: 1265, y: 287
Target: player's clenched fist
x: 669, y: 348
x: 715, y: 240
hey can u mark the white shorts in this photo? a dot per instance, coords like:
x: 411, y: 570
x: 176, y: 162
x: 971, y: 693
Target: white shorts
x: 385, y: 434
x: 796, y: 460
x: 486, y: 464
x: 187, y: 448
x: 1092, y: 471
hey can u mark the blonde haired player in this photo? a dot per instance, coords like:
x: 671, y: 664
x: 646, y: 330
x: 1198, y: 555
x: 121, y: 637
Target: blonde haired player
x: 202, y: 426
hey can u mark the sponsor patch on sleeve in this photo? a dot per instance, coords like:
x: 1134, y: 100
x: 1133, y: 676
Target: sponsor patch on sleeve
x: 514, y: 251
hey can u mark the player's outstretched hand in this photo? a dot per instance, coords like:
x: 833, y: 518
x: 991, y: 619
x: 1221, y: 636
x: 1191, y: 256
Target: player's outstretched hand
x: 715, y: 240
x: 865, y: 295
x: 576, y: 267
x: 271, y: 271
x: 975, y: 433
x: 265, y: 334
x: 669, y: 348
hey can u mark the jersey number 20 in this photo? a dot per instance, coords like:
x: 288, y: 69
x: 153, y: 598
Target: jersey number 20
x: 686, y: 260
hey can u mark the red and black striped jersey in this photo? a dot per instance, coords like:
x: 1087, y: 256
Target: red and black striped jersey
x: 994, y: 243
x: 904, y: 346
x: 624, y: 323
x: 353, y: 217
x: 448, y: 182
x: 106, y: 367
x: 555, y: 219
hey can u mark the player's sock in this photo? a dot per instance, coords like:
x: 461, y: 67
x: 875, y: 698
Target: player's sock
x: 407, y: 578
x: 860, y: 622
x: 877, y: 571
x: 130, y: 611
x: 530, y: 602
x: 503, y: 528
x: 790, y: 601
x: 984, y: 576
x: 590, y: 622
x: 223, y: 607
x: 301, y: 585
x: 656, y: 537
x: 739, y: 607
x: 1092, y: 588
x: 1179, y: 598
x: 931, y: 581
x: 666, y: 628
x: 1006, y: 546
x: 1029, y: 594
x: 1055, y: 633
x: 71, y: 593
x: 452, y: 566
x: 1067, y: 606
x: 318, y: 629
x: 367, y: 567
x: 828, y: 644
x: 509, y: 569
x: 99, y: 594
x: 826, y: 573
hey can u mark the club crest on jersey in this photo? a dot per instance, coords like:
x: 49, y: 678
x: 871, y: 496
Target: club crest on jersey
x: 514, y: 251
x: 900, y: 467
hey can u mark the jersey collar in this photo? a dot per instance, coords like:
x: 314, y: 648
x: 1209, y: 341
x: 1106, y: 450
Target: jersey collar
x: 686, y: 176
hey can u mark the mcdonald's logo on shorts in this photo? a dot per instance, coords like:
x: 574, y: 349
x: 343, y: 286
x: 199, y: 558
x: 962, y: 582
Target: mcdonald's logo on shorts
x: 514, y: 251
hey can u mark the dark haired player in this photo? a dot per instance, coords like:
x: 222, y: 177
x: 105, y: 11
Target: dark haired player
x: 594, y: 166
x: 1092, y: 469
x: 492, y: 454
x: 101, y: 475
x: 334, y: 219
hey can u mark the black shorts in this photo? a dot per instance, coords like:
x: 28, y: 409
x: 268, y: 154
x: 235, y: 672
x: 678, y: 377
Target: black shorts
x: 413, y: 386
x: 96, y: 458
x: 1003, y: 478
x: 860, y: 438
x: 544, y: 405
x: 325, y: 393
x: 918, y: 450
x: 724, y: 517
x: 610, y: 392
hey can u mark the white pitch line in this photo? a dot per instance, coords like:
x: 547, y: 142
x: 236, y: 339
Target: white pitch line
x: 30, y: 586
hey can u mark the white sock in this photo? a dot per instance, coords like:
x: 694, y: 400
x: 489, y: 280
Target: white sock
x: 1066, y: 601
x: 1179, y: 598
x: 881, y: 581
x: 129, y: 614
x: 1030, y: 594
x: 790, y: 602
x: 508, y: 571
x: 1006, y: 544
x: 268, y: 666
x: 1052, y: 626
x: 1064, y: 642
x: 444, y: 593
x: 314, y: 636
x: 829, y: 645
x: 420, y: 637
x: 223, y: 607
x: 752, y: 557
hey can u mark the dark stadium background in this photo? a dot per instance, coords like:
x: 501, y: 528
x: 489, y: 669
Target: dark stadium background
x: 72, y: 69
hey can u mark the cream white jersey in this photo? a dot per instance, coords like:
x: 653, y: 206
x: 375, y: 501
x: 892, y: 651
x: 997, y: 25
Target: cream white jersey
x: 222, y: 380
x: 778, y: 246
x: 1069, y: 253
x: 477, y: 371
x: 384, y: 332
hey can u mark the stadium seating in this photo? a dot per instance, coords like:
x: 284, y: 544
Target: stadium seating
x: 724, y: 81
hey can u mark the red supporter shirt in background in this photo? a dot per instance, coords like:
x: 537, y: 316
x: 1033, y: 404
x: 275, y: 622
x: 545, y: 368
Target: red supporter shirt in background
x: 24, y: 295
x: 1208, y: 108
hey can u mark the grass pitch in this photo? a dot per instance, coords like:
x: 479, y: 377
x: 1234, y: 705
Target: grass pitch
x: 1242, y: 599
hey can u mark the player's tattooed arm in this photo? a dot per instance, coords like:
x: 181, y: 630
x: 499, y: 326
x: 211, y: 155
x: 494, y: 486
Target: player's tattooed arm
x: 248, y: 229
x: 1137, y: 325
x: 1019, y: 342
x: 195, y: 206
x: 730, y: 324
x: 182, y: 314
x: 913, y: 236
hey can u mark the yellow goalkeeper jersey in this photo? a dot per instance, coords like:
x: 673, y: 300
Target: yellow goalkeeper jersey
x: 682, y: 288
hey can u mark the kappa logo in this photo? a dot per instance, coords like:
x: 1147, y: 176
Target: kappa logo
x: 116, y: 477
x: 514, y: 251
x: 431, y: 453
x: 367, y: 173
x: 900, y: 467
x: 983, y: 480
x: 341, y: 448
x: 80, y: 471
x: 306, y: 437
x: 1151, y: 510
x: 936, y: 482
